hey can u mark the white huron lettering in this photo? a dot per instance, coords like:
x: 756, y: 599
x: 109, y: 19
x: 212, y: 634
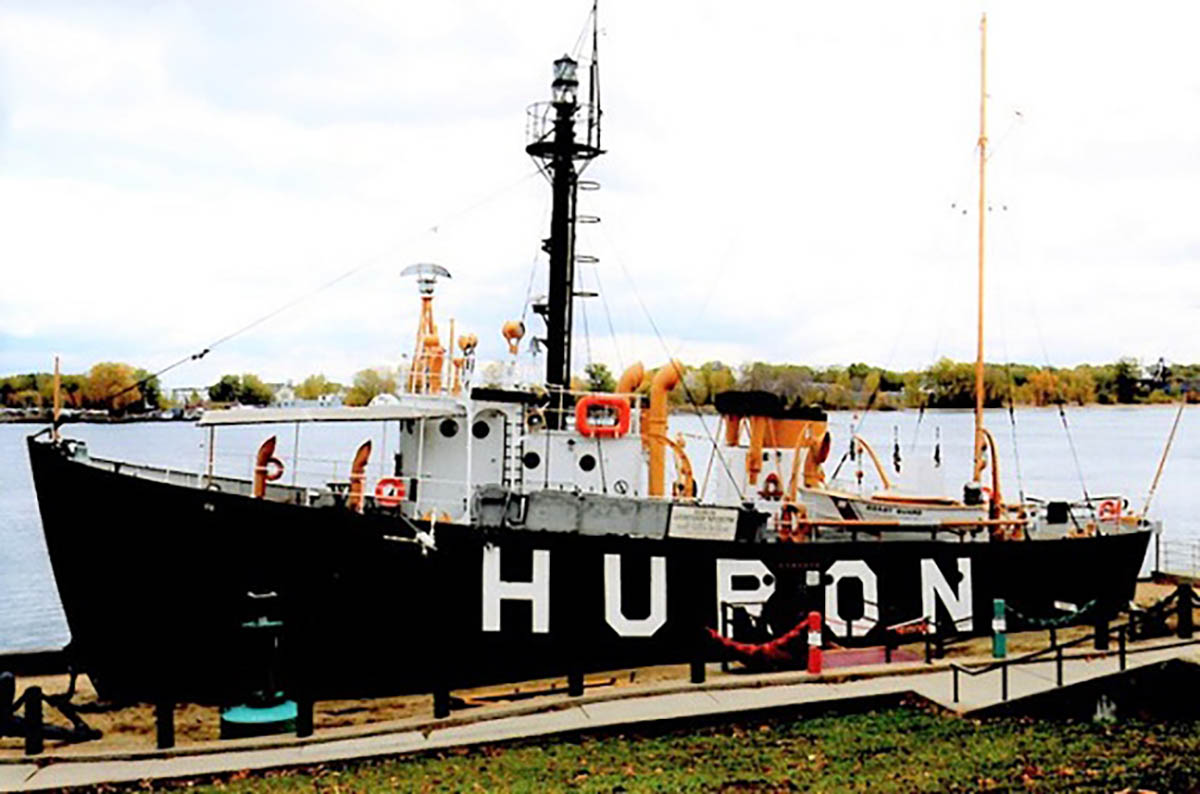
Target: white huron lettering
x: 852, y: 569
x: 615, y: 615
x: 763, y: 579
x: 537, y: 592
x: 958, y: 605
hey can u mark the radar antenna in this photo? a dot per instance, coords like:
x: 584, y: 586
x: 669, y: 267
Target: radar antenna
x: 425, y: 374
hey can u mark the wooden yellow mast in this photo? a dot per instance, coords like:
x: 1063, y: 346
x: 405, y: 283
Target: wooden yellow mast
x: 57, y: 399
x: 979, y: 437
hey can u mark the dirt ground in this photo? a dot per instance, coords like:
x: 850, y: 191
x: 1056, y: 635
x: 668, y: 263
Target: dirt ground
x: 131, y: 727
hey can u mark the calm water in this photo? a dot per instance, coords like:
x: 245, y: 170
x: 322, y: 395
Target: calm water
x: 1118, y: 449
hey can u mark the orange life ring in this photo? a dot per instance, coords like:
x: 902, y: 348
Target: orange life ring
x: 987, y: 493
x: 389, y: 491
x: 772, y: 489
x: 616, y: 406
x: 1110, y: 510
x: 792, y: 522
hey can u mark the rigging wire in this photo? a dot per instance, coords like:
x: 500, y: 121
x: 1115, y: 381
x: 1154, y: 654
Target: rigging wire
x: 533, y: 264
x: 1074, y: 455
x: 1162, y: 462
x: 1012, y: 422
x: 612, y: 332
x: 1001, y: 313
x: 366, y: 265
x: 588, y: 22
x: 671, y: 362
x: 1059, y: 401
x: 587, y: 334
x: 713, y: 283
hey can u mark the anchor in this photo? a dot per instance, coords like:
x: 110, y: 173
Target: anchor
x: 31, y: 726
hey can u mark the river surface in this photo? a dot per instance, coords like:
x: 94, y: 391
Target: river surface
x: 1118, y: 449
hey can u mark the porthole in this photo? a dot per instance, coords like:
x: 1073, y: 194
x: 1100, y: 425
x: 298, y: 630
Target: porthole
x: 531, y: 460
x: 480, y: 429
x: 449, y: 428
x: 587, y: 462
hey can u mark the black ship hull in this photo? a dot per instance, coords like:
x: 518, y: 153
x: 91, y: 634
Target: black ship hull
x: 154, y: 578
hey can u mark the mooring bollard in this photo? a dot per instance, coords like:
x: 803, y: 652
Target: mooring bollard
x: 441, y: 702
x: 1101, y: 631
x: 699, y: 670
x: 575, y: 683
x: 33, y: 721
x: 999, y: 626
x: 814, y: 642
x: 1183, y: 605
x: 164, y: 724
x: 304, y: 715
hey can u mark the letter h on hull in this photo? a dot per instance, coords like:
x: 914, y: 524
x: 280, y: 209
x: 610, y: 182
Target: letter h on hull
x: 495, y: 590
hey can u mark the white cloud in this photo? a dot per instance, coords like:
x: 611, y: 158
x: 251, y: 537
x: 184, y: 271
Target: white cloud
x: 779, y: 183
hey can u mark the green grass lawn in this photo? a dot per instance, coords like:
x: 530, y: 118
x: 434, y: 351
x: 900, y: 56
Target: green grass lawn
x: 898, y: 749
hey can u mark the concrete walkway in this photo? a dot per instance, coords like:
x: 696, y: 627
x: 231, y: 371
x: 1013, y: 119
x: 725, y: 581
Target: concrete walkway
x: 725, y: 696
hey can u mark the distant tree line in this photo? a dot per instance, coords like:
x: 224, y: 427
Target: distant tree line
x: 945, y: 384
x: 249, y: 389
x: 108, y: 386
x: 122, y: 388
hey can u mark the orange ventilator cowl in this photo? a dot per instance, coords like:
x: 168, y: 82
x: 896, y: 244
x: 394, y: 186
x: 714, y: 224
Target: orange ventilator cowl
x: 631, y: 378
x: 654, y: 424
x: 513, y: 331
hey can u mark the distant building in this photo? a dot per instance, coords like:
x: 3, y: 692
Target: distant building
x: 384, y: 399
x: 188, y: 395
x: 284, y: 397
x: 330, y: 400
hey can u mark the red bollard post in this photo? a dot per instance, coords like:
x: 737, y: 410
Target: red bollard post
x: 814, y: 642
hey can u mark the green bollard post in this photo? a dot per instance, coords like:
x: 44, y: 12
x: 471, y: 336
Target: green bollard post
x: 999, y: 644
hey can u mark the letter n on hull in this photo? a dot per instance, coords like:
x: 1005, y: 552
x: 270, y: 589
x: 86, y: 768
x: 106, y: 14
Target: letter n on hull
x: 934, y: 587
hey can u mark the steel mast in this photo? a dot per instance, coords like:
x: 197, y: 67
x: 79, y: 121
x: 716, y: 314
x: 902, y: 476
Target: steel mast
x: 563, y: 157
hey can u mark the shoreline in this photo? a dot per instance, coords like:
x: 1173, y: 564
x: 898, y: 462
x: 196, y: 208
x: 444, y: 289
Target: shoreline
x: 88, y: 420
x: 680, y: 410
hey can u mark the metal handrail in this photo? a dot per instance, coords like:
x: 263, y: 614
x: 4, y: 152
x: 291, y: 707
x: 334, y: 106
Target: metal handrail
x: 1034, y: 658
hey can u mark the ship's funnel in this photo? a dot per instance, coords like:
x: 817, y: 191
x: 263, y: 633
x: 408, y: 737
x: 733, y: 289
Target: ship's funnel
x: 773, y: 425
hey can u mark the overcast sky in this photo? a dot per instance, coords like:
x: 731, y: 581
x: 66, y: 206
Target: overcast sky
x: 785, y: 180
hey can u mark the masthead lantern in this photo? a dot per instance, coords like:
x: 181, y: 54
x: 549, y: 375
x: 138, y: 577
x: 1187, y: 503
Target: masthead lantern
x: 565, y: 83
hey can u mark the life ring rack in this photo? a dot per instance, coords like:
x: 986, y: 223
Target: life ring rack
x: 615, y: 405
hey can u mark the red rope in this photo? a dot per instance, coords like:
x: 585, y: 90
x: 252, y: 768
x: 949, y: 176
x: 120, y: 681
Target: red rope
x: 774, y: 651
